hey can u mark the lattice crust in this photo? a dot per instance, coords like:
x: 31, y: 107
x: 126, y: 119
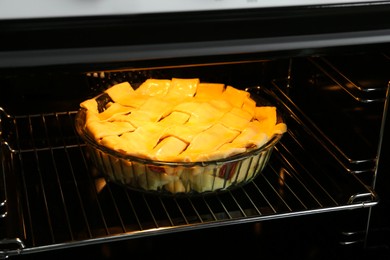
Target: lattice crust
x: 180, y: 120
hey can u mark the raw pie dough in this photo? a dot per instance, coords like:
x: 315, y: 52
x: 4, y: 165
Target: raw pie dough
x: 180, y: 120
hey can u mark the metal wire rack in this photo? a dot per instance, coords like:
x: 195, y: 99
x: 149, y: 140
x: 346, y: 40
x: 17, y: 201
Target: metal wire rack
x: 54, y: 198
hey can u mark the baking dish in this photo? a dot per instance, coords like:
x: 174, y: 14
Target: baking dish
x: 180, y: 178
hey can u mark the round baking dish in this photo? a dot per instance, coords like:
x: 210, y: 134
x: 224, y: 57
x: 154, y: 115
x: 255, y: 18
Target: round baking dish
x: 180, y: 178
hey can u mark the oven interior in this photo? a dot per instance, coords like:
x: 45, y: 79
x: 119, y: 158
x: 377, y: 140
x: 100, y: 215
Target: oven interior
x: 335, y: 106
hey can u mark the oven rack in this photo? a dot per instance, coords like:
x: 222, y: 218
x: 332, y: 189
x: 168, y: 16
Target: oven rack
x: 55, y: 199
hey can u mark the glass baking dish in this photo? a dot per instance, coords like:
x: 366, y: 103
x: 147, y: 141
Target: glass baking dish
x: 180, y: 178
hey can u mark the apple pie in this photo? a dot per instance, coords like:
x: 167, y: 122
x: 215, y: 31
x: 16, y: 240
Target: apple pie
x: 183, y: 121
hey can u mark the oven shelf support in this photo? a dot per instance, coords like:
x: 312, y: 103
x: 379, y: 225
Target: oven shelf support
x: 366, y: 199
x: 10, y: 246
